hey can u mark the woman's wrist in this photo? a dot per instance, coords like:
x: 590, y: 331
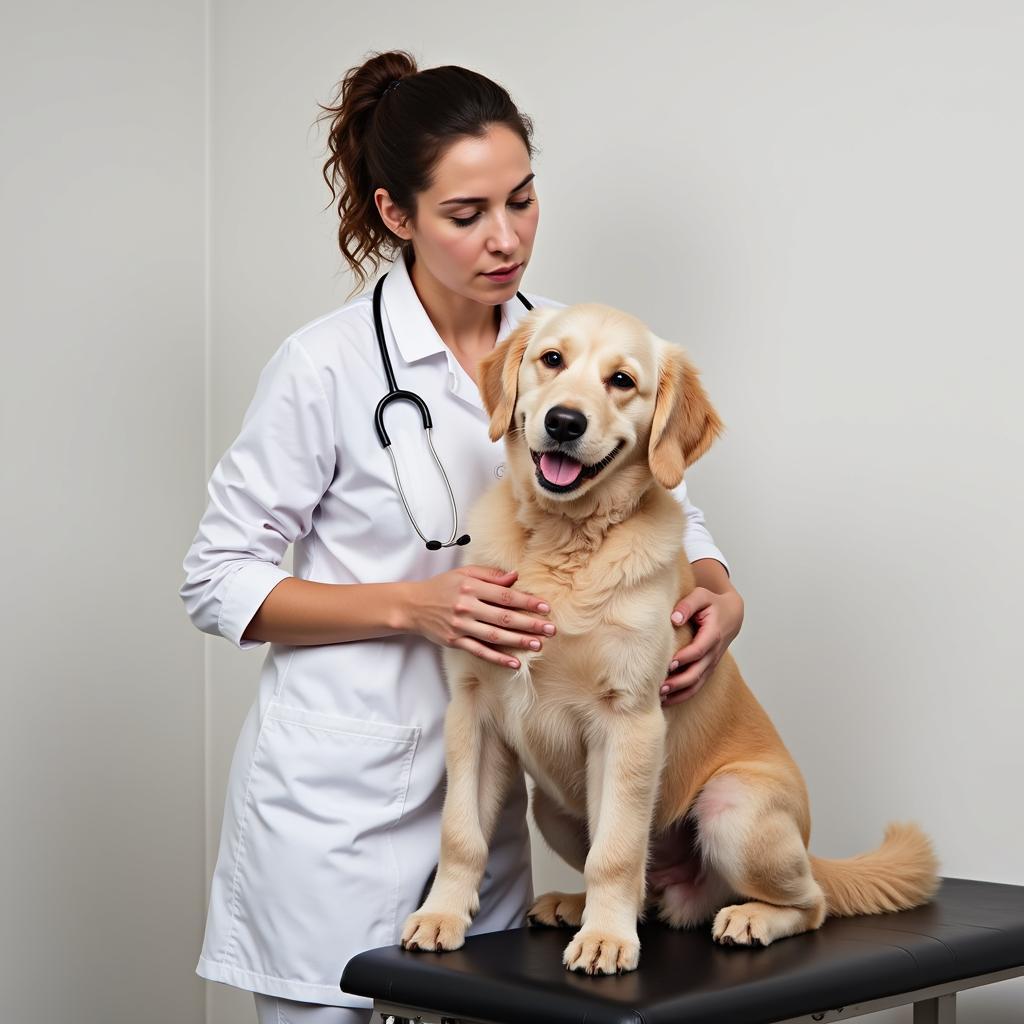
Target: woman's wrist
x: 711, y: 574
x: 402, y: 618
x: 735, y: 601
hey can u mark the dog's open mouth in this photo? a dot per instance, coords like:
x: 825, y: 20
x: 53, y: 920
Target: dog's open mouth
x: 559, y: 472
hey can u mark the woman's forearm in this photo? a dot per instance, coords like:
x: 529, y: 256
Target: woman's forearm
x: 300, y: 612
x: 711, y: 575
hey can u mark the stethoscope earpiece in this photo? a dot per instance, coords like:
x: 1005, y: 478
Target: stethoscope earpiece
x: 394, y: 394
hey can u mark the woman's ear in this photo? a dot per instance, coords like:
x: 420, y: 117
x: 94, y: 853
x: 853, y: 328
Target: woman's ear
x: 497, y: 373
x: 685, y: 424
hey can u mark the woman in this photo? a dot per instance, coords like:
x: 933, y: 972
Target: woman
x: 332, y: 817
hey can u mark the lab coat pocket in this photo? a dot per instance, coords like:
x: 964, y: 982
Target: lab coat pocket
x: 317, y: 873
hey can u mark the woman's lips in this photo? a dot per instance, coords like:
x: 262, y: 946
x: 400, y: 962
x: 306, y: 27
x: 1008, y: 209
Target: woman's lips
x: 506, y: 275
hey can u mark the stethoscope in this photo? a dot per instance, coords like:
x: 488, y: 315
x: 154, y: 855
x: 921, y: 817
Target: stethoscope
x: 395, y: 394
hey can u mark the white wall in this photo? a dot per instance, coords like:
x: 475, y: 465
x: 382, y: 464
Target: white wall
x: 101, y: 477
x: 819, y: 200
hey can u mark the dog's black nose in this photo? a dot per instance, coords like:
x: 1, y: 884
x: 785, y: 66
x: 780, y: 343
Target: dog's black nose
x: 564, y: 424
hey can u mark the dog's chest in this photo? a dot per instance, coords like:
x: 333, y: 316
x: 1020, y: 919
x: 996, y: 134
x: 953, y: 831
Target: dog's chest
x: 547, y: 734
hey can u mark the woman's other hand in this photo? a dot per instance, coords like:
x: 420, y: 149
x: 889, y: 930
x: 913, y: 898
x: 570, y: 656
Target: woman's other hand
x: 476, y: 608
x: 717, y: 619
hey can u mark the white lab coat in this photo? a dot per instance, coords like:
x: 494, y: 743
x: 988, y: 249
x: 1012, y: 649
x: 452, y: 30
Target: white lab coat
x: 332, y: 817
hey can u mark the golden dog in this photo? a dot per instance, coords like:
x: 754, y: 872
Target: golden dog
x: 696, y: 809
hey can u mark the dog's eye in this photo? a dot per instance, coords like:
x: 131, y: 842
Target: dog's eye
x: 552, y: 358
x: 622, y: 380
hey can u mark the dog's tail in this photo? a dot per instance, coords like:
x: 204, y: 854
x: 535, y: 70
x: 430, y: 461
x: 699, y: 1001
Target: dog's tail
x: 902, y: 873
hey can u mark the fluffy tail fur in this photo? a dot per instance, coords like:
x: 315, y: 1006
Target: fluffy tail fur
x: 902, y: 873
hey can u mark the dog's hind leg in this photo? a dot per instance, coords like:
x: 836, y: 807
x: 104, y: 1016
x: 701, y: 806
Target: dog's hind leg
x: 688, y: 904
x: 685, y: 890
x: 754, y: 842
x: 479, y: 768
x: 567, y: 836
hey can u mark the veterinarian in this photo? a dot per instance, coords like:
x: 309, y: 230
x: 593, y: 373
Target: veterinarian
x: 332, y: 819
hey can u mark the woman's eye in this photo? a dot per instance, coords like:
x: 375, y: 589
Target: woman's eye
x: 551, y: 359
x: 622, y: 380
x: 464, y: 222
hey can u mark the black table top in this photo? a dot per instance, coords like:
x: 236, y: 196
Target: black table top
x: 516, y: 977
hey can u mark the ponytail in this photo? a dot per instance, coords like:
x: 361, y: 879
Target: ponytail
x: 390, y: 124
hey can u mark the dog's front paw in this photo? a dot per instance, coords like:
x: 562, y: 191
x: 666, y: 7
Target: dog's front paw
x: 558, y: 910
x: 437, y: 932
x: 598, y: 952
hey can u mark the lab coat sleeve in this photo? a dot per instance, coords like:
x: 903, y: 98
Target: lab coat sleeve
x: 697, y: 541
x: 262, y: 493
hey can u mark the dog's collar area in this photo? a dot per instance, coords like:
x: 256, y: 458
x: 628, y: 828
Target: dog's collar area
x: 586, y: 472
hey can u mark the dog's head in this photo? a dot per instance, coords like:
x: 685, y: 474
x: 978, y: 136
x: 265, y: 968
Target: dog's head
x: 588, y: 390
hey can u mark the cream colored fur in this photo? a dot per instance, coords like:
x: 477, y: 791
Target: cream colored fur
x: 697, y: 810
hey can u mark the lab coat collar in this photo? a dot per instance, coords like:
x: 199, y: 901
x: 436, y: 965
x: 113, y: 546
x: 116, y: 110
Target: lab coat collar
x: 413, y: 333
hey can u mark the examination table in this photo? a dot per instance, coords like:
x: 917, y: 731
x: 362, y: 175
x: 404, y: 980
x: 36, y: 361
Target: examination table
x: 971, y: 934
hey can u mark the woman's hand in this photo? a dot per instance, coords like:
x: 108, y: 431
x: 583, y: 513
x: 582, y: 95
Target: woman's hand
x: 717, y: 618
x: 475, y: 608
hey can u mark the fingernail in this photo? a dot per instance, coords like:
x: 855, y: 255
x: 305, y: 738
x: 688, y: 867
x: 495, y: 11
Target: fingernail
x: 673, y: 666
x: 542, y: 607
x: 535, y: 644
x: 549, y: 628
x: 664, y: 690
x: 512, y: 664
x: 677, y: 617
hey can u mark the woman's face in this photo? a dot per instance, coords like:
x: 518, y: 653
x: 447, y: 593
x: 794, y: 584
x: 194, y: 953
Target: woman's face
x: 479, y: 215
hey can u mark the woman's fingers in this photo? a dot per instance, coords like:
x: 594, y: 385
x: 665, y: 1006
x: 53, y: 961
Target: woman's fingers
x: 697, y: 648
x: 498, y: 615
x: 508, y: 608
x: 684, y: 693
x: 497, y: 589
x: 684, y: 685
x: 482, y: 621
x: 697, y: 599
x: 486, y: 653
x: 509, y: 597
x: 512, y: 620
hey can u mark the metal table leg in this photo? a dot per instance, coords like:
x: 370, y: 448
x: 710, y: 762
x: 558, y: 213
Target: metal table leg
x: 941, y: 1010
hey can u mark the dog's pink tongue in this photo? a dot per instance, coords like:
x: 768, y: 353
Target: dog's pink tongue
x: 558, y: 468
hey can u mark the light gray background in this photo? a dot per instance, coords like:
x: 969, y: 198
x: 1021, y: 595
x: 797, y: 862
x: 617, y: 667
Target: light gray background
x: 820, y: 200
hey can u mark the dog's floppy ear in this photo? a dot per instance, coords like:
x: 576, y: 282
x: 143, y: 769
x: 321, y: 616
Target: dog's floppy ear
x: 497, y: 373
x: 685, y: 423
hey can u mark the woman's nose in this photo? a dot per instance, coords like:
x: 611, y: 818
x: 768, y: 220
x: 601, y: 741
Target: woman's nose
x: 503, y: 236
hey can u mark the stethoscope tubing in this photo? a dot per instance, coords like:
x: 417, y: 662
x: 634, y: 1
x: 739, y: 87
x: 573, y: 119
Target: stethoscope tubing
x: 396, y: 394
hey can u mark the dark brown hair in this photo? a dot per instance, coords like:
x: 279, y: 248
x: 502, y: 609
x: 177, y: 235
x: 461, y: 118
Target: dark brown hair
x: 393, y: 138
